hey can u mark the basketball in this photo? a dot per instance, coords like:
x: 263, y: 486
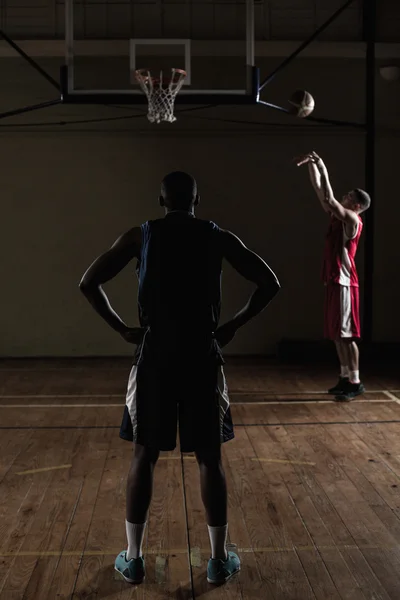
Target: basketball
x: 302, y: 103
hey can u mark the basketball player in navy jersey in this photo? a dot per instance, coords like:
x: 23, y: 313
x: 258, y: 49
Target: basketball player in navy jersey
x: 342, y: 317
x: 177, y: 371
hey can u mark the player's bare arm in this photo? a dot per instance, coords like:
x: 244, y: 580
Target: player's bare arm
x: 320, y: 183
x: 254, y: 269
x: 105, y: 268
x: 315, y: 178
x: 320, y: 180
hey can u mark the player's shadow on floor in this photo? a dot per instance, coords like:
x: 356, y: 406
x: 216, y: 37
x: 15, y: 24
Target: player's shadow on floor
x: 107, y: 584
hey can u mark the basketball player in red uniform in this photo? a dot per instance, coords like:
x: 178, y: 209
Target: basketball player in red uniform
x: 342, y: 317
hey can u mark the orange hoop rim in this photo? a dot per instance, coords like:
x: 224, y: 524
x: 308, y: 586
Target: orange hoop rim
x: 144, y: 75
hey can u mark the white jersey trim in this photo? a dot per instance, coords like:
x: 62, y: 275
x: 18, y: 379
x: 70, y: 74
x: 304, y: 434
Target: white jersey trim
x: 345, y: 267
x: 345, y: 312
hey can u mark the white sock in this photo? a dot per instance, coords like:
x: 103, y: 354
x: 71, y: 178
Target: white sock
x: 344, y: 371
x: 135, y: 535
x: 218, y: 537
x: 354, y: 377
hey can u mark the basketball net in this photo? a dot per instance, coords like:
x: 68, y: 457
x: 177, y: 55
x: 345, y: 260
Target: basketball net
x: 161, y: 93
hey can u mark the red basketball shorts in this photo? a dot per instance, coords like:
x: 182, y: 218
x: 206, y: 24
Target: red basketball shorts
x: 342, y: 312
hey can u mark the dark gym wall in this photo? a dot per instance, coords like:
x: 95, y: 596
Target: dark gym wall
x: 67, y: 193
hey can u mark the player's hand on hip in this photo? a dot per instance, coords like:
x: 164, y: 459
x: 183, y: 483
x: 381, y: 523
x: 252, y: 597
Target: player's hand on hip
x: 225, y: 333
x: 133, y: 335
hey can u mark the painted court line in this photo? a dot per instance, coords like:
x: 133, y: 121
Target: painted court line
x: 177, y: 458
x: 43, y: 470
x: 160, y: 569
x: 196, y: 553
x: 55, y: 396
x: 260, y: 424
x: 67, y: 368
x: 231, y: 393
x: 282, y: 462
x: 392, y: 396
x: 388, y: 399
x: 187, y: 457
x: 195, y: 557
x: 270, y: 460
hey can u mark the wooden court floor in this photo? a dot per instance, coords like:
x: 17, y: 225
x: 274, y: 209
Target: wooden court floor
x: 314, y: 488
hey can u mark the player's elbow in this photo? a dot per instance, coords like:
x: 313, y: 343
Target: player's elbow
x: 275, y: 287
x: 270, y: 285
x: 86, y: 285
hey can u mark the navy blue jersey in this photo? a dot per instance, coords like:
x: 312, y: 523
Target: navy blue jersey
x: 179, y: 273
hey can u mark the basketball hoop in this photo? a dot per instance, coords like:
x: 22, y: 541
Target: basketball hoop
x: 160, y: 93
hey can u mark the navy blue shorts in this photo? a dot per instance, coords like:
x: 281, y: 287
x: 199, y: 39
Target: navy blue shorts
x: 163, y: 399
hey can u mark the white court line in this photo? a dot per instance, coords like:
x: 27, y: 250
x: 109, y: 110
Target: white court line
x: 43, y: 470
x: 273, y: 403
x: 392, y: 396
x: 44, y: 396
x: 231, y: 393
x: 200, y: 551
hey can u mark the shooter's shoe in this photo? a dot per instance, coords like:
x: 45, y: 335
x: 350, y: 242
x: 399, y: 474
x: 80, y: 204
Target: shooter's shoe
x: 340, y: 387
x: 350, y: 392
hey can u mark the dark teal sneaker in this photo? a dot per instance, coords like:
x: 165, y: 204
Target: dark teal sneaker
x: 219, y: 571
x: 131, y: 570
x: 350, y: 392
x: 339, y: 387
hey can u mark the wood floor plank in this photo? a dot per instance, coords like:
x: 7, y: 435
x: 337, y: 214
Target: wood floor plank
x: 179, y: 573
x: 75, y: 379
x: 45, y: 417
x: 253, y: 414
x: 25, y: 493
x: 383, y: 442
x: 377, y: 483
x: 345, y: 562
x: 88, y: 456
x: 250, y: 580
x: 338, y: 579
x: 329, y: 533
x: 96, y: 569
x: 166, y: 569
x: 69, y: 496
x: 298, y: 413
x: 16, y: 382
x: 5, y: 566
x: 41, y: 578
x: 374, y: 411
x: 281, y: 568
x: 12, y: 443
x: 366, y: 518
x: 326, y: 531
x: 39, y: 522
x: 313, y: 396
x: 282, y: 501
x: 199, y: 540
x: 330, y: 413
x: 107, y: 533
x: 364, y: 525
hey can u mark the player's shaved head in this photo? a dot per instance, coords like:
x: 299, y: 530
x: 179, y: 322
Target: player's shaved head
x: 362, y: 199
x: 179, y: 191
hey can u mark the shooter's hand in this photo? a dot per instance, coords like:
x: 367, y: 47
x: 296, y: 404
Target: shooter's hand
x: 311, y: 157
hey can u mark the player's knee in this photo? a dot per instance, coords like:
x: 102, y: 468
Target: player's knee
x: 209, y: 459
x: 144, y: 454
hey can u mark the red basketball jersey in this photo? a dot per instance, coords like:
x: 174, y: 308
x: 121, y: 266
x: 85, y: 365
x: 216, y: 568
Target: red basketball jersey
x: 339, y: 255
